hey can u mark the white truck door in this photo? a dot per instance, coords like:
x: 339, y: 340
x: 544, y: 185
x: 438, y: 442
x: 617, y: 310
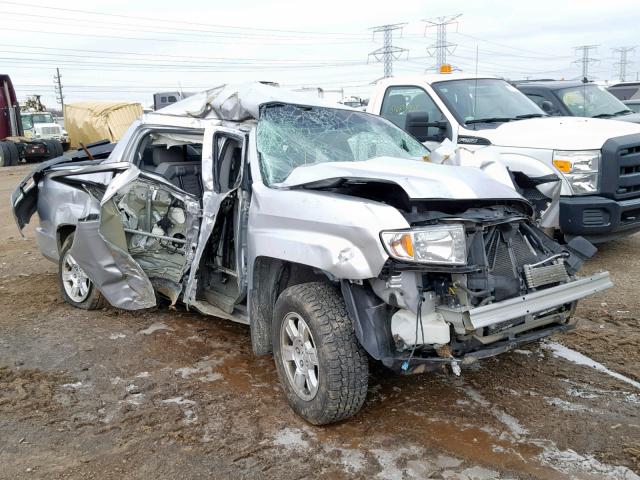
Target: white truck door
x: 402, y: 104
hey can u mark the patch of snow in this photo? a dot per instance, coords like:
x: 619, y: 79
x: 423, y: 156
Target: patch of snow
x: 580, y: 359
x: 503, y: 417
x: 133, y: 388
x: 388, y: 461
x: 565, y: 405
x: 184, y: 372
x: 115, y: 380
x: 73, y: 386
x: 479, y: 473
x: 352, y: 460
x: 444, y: 461
x: 135, y: 399
x: 116, y: 336
x: 211, y: 377
x: 143, y: 375
x: 291, y: 438
x: 179, y: 401
x: 190, y: 416
x: 154, y: 327
x: 523, y: 352
x: 204, y: 366
x: 572, y: 463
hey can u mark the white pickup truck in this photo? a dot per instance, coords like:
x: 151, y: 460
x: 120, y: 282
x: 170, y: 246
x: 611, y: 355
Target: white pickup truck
x: 598, y: 161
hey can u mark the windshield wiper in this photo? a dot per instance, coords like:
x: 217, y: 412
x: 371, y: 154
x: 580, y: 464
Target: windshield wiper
x: 530, y: 115
x: 626, y: 111
x: 604, y: 115
x: 489, y: 120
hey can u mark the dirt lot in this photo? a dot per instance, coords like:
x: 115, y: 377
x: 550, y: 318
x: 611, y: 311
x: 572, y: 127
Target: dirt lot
x: 157, y: 394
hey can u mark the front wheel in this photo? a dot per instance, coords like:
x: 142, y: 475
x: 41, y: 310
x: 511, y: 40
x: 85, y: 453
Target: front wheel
x: 322, y: 367
x: 75, y: 286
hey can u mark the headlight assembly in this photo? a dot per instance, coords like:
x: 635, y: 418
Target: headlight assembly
x: 580, y: 168
x: 437, y: 244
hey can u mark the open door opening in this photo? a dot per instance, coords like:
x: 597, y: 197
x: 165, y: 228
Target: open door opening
x: 221, y: 286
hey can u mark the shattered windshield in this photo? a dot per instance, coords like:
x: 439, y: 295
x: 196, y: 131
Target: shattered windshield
x: 290, y: 136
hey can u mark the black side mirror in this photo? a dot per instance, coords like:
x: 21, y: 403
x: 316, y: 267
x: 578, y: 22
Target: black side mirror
x: 417, y: 124
x: 547, y: 107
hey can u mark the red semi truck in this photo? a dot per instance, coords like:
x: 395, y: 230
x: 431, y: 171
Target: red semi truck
x: 14, y: 146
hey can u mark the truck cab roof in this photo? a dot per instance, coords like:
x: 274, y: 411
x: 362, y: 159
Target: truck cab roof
x: 431, y: 78
x: 552, y: 84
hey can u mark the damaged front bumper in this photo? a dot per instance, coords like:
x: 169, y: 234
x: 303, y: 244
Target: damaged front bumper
x: 417, y: 365
x: 530, y: 303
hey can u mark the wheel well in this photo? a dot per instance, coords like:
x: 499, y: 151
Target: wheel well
x: 63, y: 233
x: 271, y: 276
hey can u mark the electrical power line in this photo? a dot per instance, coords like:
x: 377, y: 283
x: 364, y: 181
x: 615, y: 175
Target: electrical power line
x: 173, y: 21
x: 585, y: 60
x: 442, y: 46
x: 624, y: 60
x: 388, y: 52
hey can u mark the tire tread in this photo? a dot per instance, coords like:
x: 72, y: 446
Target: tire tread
x: 347, y: 366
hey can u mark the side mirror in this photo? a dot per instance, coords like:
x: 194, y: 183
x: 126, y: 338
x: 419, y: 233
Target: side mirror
x: 417, y: 124
x: 547, y: 107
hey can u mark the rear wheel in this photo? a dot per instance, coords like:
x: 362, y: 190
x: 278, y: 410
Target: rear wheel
x: 322, y: 368
x: 8, y: 154
x: 75, y: 286
x: 54, y: 148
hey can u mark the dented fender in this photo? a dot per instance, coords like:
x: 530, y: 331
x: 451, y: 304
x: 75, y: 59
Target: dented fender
x: 330, y: 232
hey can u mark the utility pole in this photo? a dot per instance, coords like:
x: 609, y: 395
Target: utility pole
x: 442, y: 47
x: 388, y: 52
x: 624, y: 61
x: 585, y: 60
x: 58, y: 88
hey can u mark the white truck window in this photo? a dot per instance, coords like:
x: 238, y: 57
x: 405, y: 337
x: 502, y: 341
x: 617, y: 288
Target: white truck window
x: 398, y: 101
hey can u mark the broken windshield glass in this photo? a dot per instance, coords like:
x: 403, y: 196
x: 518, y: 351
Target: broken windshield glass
x: 290, y: 136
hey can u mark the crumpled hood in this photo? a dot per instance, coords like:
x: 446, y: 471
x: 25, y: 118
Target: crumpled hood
x: 557, y: 133
x: 420, y: 180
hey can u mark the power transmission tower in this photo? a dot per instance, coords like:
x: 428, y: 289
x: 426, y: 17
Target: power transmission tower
x: 585, y: 60
x: 388, y: 52
x: 58, y: 88
x: 624, y: 61
x: 442, y: 47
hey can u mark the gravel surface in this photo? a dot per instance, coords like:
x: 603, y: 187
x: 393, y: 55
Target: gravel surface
x: 110, y: 394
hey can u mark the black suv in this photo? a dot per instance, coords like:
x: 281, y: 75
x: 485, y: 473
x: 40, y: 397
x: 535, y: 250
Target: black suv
x: 576, y: 99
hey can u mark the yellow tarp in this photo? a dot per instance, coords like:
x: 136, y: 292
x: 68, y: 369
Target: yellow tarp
x: 89, y: 122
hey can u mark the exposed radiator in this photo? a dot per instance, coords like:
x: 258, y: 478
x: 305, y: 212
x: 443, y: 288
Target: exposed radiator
x: 545, y: 275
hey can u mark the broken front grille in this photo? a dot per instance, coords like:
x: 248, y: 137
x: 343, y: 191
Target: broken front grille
x: 51, y: 130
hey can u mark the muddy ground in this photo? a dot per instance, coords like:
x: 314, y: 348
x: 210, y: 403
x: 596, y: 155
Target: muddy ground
x: 111, y: 394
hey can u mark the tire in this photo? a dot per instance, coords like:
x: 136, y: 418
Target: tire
x: 52, y: 149
x: 59, y: 149
x: 335, y: 385
x: 89, y: 299
x: 5, y: 155
x: 13, y: 153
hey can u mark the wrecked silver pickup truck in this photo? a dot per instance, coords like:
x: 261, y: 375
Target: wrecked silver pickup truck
x: 320, y: 226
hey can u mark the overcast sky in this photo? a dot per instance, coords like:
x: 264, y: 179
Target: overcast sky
x: 123, y: 50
